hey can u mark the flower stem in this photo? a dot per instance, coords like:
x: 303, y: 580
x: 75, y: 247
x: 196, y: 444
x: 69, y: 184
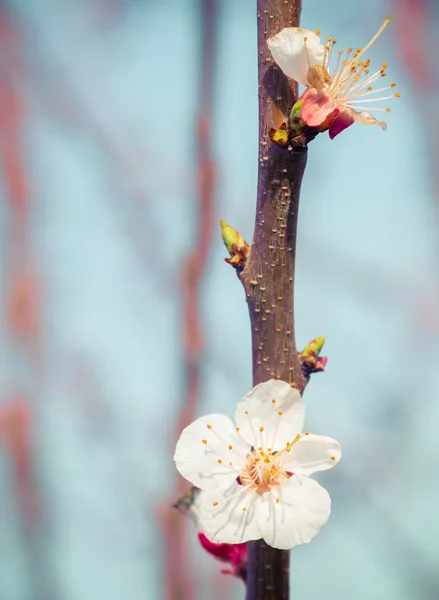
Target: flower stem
x: 268, y: 276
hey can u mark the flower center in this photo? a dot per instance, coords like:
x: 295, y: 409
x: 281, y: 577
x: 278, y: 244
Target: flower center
x: 263, y: 469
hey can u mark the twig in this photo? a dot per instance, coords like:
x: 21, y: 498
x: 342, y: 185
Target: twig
x: 268, y: 275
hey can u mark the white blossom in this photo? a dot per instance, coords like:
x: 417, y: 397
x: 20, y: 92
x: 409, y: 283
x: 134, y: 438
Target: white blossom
x: 254, y: 477
x: 337, y: 94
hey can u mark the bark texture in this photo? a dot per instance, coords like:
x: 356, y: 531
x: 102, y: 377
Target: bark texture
x: 268, y: 276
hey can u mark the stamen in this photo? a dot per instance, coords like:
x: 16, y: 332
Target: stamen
x: 306, y: 52
x: 215, y: 503
x: 371, y: 99
x: 204, y: 441
x: 375, y: 37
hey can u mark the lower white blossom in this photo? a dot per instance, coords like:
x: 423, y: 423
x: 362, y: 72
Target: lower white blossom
x: 254, y: 477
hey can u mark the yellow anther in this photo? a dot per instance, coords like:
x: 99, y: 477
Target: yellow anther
x: 266, y: 460
x: 305, y: 38
x: 277, y: 500
x: 332, y: 457
x: 273, y: 400
x: 273, y: 471
x: 398, y: 95
x: 215, y: 503
x: 387, y: 109
x: 306, y: 432
x: 329, y: 38
x: 280, y: 413
x: 393, y: 85
x: 237, y: 429
x: 204, y: 441
x: 359, y: 49
x: 366, y: 71
x: 369, y: 89
x: 261, y: 428
x: 350, y: 49
x: 209, y: 427
x: 230, y: 446
x: 334, y: 42
x: 244, y: 508
x: 317, y: 31
x: 246, y: 412
x: 260, y: 448
x: 384, y: 65
x: 340, y: 52
x: 268, y: 449
x: 220, y: 461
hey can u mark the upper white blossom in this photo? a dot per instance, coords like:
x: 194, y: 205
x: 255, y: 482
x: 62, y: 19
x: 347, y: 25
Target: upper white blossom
x: 337, y: 96
x: 254, y: 477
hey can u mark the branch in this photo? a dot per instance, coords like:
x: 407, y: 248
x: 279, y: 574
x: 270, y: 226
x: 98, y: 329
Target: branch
x: 268, y: 274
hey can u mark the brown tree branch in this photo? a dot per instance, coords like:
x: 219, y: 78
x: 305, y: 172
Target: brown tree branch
x: 268, y: 275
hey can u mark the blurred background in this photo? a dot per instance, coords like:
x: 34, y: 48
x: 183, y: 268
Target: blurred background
x: 128, y: 129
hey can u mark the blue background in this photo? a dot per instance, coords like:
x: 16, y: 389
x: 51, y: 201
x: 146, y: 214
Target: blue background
x: 110, y: 92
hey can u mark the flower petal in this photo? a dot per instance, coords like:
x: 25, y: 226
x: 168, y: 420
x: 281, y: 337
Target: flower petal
x: 341, y: 122
x: 302, y: 509
x: 227, y: 514
x: 270, y: 415
x: 366, y: 118
x: 209, y: 452
x: 312, y: 453
x: 316, y: 107
x: 289, y: 52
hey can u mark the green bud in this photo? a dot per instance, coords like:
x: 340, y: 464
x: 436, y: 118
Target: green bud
x: 313, y: 348
x: 296, y: 123
x: 231, y: 237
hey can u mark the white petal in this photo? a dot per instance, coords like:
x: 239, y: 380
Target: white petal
x: 288, y: 50
x: 276, y: 408
x: 203, y: 456
x: 312, y: 453
x: 303, y: 509
x: 222, y: 518
x: 366, y: 118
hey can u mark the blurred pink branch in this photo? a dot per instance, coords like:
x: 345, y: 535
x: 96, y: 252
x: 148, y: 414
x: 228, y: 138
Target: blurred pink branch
x: 15, y: 428
x: 177, y: 569
x: 412, y: 20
